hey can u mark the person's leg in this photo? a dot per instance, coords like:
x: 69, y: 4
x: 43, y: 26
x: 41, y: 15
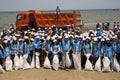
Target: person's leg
x: 63, y: 60
x: 83, y: 60
x: 118, y: 57
x: 12, y: 58
x: 3, y: 62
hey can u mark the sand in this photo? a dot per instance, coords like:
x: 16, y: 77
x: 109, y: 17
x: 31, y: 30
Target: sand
x: 48, y: 74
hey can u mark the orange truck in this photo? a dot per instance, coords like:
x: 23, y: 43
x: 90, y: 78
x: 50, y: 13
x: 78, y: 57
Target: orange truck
x: 39, y: 19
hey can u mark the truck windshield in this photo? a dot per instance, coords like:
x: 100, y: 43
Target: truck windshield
x: 21, y: 17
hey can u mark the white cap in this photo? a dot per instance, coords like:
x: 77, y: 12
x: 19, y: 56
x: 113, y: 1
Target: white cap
x: 66, y: 36
x: 76, y: 36
x: 5, y: 41
x: 60, y: 37
x: 31, y: 39
x: 116, y: 27
x: 98, y: 28
x: 95, y: 38
x: 48, y: 38
x: 54, y: 40
x: 42, y: 38
x: 20, y: 39
x: 6, y: 37
x: 102, y: 39
x: 14, y: 38
x: 38, y: 37
x: 25, y: 37
x: 88, y: 38
x: 107, y: 39
x: 33, y: 29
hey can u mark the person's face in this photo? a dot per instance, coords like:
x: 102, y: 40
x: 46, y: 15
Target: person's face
x: 87, y: 40
x: 76, y: 39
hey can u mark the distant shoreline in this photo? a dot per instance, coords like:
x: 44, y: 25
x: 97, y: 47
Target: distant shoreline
x: 65, y: 10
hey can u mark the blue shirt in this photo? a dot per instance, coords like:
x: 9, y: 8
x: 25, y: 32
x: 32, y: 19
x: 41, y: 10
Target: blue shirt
x: 95, y: 50
x: 1, y: 54
x: 65, y: 46
x: 47, y: 46
x: 102, y: 49
x: 118, y: 47
x: 7, y: 50
x: 55, y: 48
x: 14, y: 51
x: 76, y: 45
x: 109, y: 51
x: 21, y: 47
x: 37, y: 44
x: 27, y: 48
x: 86, y: 47
x: 99, y: 33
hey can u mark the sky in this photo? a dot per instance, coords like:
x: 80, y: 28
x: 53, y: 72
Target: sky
x: 21, y: 5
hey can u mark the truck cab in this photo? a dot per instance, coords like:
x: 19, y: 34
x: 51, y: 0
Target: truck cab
x: 25, y: 20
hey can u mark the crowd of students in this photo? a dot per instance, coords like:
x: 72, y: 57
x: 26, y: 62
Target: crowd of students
x: 55, y: 41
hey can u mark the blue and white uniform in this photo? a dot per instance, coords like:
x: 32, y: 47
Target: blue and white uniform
x: 109, y: 50
x: 7, y: 50
x: 65, y: 46
x: 13, y: 50
x: 95, y: 50
x: 87, y: 48
x: 76, y: 46
x: 27, y: 49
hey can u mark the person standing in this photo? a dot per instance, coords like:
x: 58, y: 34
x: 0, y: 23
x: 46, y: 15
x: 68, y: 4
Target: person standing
x: 76, y: 48
x: 65, y: 50
x: 57, y: 12
x: 38, y: 49
x: 109, y: 52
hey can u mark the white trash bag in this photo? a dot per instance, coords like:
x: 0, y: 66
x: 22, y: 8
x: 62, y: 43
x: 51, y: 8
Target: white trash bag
x: 21, y: 62
x: 1, y: 69
x: 16, y: 62
x: 98, y: 64
x: 33, y: 62
x: 67, y: 61
x: 55, y: 62
x: 116, y: 66
x: 25, y: 62
x: 47, y: 63
x: 106, y: 64
x: 8, y: 64
x: 88, y: 64
x: 77, y: 61
x: 37, y: 61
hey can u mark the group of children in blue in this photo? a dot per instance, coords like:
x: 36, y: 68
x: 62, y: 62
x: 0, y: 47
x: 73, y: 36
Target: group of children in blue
x: 97, y: 43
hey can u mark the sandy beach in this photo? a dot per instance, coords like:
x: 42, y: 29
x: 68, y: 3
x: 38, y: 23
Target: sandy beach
x: 48, y: 74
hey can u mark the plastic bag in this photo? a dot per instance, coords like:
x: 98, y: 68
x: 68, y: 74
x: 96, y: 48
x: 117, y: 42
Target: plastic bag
x: 8, y: 64
x: 33, y: 62
x: 77, y: 61
x: 68, y: 62
x: 21, y: 62
x: 98, y: 64
x: 1, y: 69
x: 88, y: 64
x: 47, y: 63
x: 116, y: 66
x: 16, y: 62
x: 37, y: 61
x: 25, y: 63
x: 106, y: 64
x: 55, y: 62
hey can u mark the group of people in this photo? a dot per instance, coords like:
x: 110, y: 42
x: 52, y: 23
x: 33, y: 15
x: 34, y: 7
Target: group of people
x: 56, y: 48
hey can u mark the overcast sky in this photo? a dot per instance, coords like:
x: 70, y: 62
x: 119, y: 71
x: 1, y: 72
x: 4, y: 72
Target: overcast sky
x: 19, y: 5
